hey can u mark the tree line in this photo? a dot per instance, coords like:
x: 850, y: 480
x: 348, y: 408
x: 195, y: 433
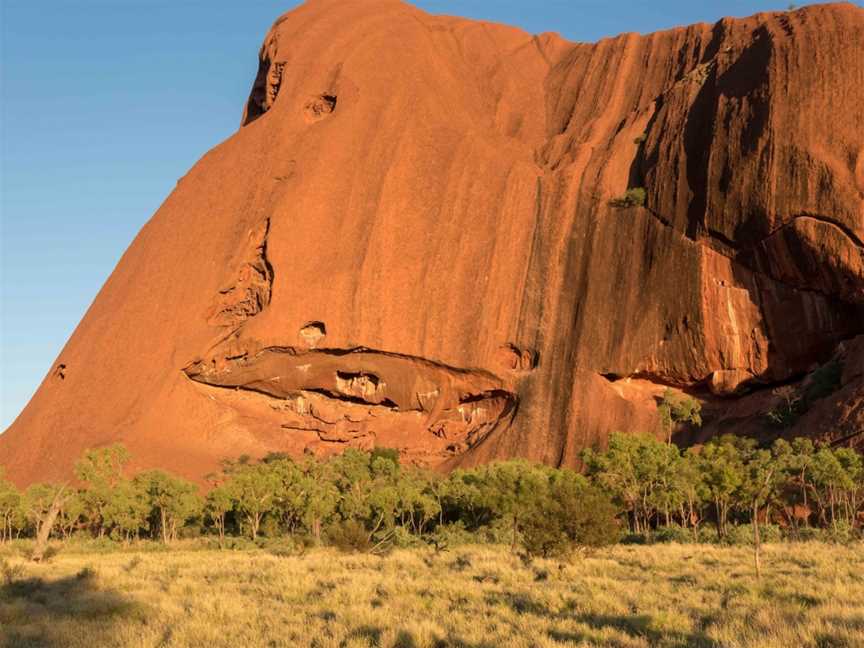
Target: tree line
x: 638, y: 487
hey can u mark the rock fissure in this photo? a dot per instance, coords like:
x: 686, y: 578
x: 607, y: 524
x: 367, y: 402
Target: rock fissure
x: 250, y: 290
x: 845, y: 229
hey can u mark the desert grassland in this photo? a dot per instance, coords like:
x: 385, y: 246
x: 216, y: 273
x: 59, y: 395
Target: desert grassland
x: 811, y: 594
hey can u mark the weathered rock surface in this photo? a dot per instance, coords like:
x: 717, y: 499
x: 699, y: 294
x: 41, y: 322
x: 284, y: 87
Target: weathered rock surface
x: 409, y: 242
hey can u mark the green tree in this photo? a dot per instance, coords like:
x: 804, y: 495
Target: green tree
x: 510, y: 487
x: 633, y: 469
x: 671, y: 488
x: 418, y: 505
x: 722, y: 470
x: 764, y: 472
x: 352, y: 476
x: 254, y: 489
x: 42, y: 505
x: 368, y: 493
x: 173, y: 501
x: 464, y: 497
x: 10, y: 505
x: 798, y: 481
x: 36, y: 503
x: 836, y: 476
x: 217, y: 504
x: 852, y: 488
x: 129, y: 509
x: 100, y: 470
x: 687, y: 484
x: 71, y: 513
x: 317, y: 497
x: 391, y: 454
x: 566, y: 512
x: 678, y: 409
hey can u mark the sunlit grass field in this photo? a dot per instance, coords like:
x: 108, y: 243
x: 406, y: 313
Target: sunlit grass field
x: 811, y: 594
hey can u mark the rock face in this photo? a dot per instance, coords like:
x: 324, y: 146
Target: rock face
x: 413, y: 241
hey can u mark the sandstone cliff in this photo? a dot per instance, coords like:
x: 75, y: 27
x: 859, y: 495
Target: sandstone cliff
x: 413, y: 241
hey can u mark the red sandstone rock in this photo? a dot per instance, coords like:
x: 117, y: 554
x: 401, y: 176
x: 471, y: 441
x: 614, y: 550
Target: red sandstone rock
x: 409, y: 242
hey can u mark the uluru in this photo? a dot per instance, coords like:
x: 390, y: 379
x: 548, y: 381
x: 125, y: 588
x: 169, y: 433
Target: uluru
x: 467, y: 242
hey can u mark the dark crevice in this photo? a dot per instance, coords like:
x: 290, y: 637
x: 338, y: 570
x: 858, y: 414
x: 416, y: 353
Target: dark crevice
x: 265, y: 89
x: 493, y: 393
x: 845, y: 229
x: 356, y: 400
x: 298, y: 428
x: 355, y: 375
x: 657, y: 379
x: 315, y: 325
x: 319, y: 107
x: 698, y: 143
x: 337, y: 352
x: 739, y: 249
x: 249, y: 388
x: 724, y: 240
x: 333, y: 395
x: 271, y: 275
x: 662, y: 219
x: 640, y: 164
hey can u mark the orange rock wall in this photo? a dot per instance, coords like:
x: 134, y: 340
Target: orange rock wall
x: 417, y: 208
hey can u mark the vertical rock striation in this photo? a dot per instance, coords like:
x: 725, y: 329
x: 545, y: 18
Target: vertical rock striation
x: 413, y: 241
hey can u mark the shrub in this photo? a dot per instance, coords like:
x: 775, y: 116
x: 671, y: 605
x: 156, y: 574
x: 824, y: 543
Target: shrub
x: 286, y: 547
x: 641, y: 139
x: 793, y: 404
x: 403, y: 538
x: 447, y: 536
x: 11, y: 573
x: 240, y: 543
x: 790, y: 407
x: 634, y: 197
x: 270, y: 527
x: 841, y: 533
x: 673, y: 534
x: 743, y: 534
x: 570, y: 515
x: 806, y: 534
x: 349, y: 536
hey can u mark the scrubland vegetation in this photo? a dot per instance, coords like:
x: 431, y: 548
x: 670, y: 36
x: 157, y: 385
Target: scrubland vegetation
x: 648, y: 545
x: 472, y: 596
x: 639, y: 489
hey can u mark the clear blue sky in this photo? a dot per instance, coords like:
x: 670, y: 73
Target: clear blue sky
x: 105, y: 103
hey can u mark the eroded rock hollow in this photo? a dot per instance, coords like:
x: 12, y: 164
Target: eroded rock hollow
x: 416, y: 239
